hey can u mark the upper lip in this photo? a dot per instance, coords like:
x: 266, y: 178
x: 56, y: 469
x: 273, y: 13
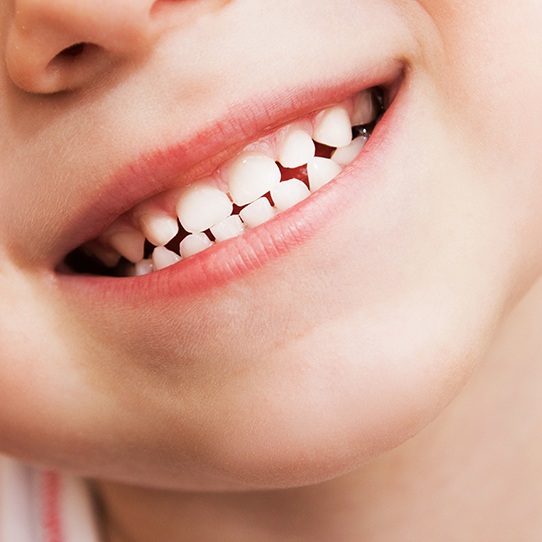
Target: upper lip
x: 184, y: 161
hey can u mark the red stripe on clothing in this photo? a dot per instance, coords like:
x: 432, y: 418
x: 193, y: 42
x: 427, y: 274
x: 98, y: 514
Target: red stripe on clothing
x: 51, y: 507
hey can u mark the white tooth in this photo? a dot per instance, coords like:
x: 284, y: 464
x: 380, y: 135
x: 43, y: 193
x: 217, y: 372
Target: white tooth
x: 250, y: 176
x: 162, y: 257
x: 231, y: 227
x: 194, y: 243
x: 258, y: 212
x: 332, y: 127
x: 158, y: 228
x: 129, y: 243
x: 321, y: 171
x: 365, y: 108
x: 296, y: 149
x: 287, y: 193
x: 344, y: 155
x: 201, y: 205
x: 144, y: 267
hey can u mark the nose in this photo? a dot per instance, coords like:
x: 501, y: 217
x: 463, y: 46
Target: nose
x: 56, y: 45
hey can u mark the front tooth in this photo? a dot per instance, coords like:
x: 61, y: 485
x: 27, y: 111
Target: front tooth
x: 296, y: 149
x: 202, y: 205
x: 194, y: 243
x: 332, y: 127
x: 128, y: 243
x: 250, y: 176
x: 158, y: 228
x: 344, y: 155
x: 365, y: 108
x: 320, y: 171
x: 258, y: 212
x: 228, y: 228
x: 287, y: 193
x: 162, y: 257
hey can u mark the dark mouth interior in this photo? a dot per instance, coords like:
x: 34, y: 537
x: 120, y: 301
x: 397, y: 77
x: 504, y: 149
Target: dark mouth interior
x: 79, y: 262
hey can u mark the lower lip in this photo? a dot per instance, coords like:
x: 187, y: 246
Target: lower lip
x: 229, y: 260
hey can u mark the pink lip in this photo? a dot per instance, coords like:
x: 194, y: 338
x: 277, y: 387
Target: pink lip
x: 158, y: 171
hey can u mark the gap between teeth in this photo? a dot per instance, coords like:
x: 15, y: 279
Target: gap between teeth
x: 243, y: 193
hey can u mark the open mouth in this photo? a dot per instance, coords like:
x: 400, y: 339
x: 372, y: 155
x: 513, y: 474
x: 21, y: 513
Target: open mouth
x: 268, y: 177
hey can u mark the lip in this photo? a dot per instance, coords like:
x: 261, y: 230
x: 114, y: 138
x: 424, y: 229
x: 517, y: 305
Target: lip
x: 157, y: 171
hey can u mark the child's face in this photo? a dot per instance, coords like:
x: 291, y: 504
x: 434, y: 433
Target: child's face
x: 314, y: 342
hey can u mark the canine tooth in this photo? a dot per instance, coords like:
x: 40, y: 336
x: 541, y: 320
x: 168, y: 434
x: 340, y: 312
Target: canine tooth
x: 143, y: 267
x: 332, y: 127
x: 258, y: 212
x: 320, y: 171
x: 344, y: 155
x: 228, y: 228
x: 162, y: 257
x: 201, y: 205
x: 158, y: 228
x: 296, y: 149
x: 128, y: 243
x: 287, y: 193
x: 250, y: 176
x: 194, y: 243
x: 365, y: 108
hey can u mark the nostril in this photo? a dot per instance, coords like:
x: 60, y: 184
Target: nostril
x: 76, y: 53
x: 73, y: 51
x: 75, y: 63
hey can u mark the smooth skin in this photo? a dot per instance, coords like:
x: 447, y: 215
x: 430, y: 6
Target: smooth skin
x: 380, y: 381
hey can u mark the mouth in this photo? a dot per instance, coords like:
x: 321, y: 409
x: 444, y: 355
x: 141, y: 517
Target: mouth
x: 266, y: 179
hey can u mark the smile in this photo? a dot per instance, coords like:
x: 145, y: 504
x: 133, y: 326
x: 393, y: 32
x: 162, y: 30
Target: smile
x: 266, y: 178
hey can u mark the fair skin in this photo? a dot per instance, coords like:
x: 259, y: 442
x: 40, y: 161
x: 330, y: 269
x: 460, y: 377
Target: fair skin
x: 361, y: 368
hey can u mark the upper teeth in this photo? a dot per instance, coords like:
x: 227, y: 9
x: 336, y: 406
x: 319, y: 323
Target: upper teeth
x: 333, y: 127
x: 296, y: 149
x: 202, y: 205
x: 251, y: 175
x: 252, y: 181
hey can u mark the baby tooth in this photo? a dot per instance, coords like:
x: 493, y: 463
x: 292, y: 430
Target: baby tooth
x: 128, y: 243
x: 162, y: 257
x: 194, y: 243
x: 320, y: 171
x: 144, y: 267
x: 201, y: 205
x: 287, y: 193
x: 296, y: 149
x: 228, y: 228
x: 158, y: 228
x: 250, y: 176
x: 344, y: 155
x: 258, y: 212
x: 365, y: 108
x: 332, y: 127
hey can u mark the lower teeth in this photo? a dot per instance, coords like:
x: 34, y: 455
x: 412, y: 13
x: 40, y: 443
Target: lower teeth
x: 295, y: 185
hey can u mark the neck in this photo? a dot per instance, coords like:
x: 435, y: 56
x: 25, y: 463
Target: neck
x: 450, y: 480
